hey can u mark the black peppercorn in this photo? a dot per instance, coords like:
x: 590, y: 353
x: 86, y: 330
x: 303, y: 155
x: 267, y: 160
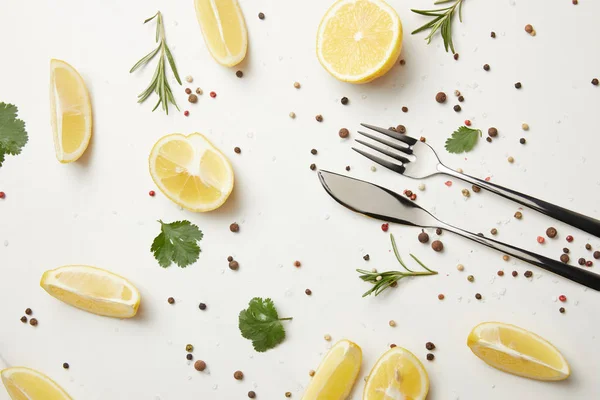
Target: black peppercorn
x: 515, y: 274
x: 344, y: 100
x: 457, y: 108
x: 33, y: 322
x: 24, y: 319
x: 66, y: 365
x: 551, y: 232
x: 476, y: 188
x: 238, y: 375
x: 239, y: 74
x: 518, y: 85
x: 234, y: 227
x: 308, y: 292
x: 587, y: 247
x: 437, y: 245
x: 478, y: 296
x: 313, y: 167
x: 313, y: 152
x: 171, y: 300
x: 438, y: 231
x: 522, y: 140
x: 566, y: 250
x: 251, y: 394
x: 564, y: 258
x: 28, y: 311
x: 189, y: 356
x: 229, y: 258
x: 430, y: 357
x: 493, y: 35
x: 494, y: 231
x: 528, y: 274
x: 461, y: 98
x: 581, y: 261
x: 261, y: 15
x: 493, y: 132
x: 429, y: 346
x: 366, y: 257
x: 188, y: 91
x: 561, y: 310
x: 347, y: 168
x: 500, y: 273
x: 597, y: 254
x: 319, y: 118
x: 202, y: 306
x: 595, y: 81
x: 486, y: 67
x: 456, y: 56
x: 404, y: 109
x: 488, y: 139
x: 440, y: 97
x: 237, y: 150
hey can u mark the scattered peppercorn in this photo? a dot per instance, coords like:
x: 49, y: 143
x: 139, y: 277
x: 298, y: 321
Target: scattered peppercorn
x: 528, y: 274
x: 461, y: 98
x: 327, y: 337
x: 476, y: 188
x: 313, y: 151
x: 561, y: 310
x: 494, y: 231
x: 518, y: 215
x: 202, y: 306
x: 385, y: 227
x: 28, y: 311
x: 528, y: 28
x: 319, y: 118
x: 478, y: 296
x: 423, y: 237
x: 422, y: 139
x: 597, y: 254
x: 344, y: 133
x: 522, y: 140
x: 234, y: 227
x: 297, y: 85
x: 66, y: 365
x: 186, y: 113
x: 188, y: 91
x: 441, y: 296
x: 466, y: 193
x: 308, y: 292
x: 565, y: 250
x: 541, y: 240
x: 402, y: 62
x: 313, y: 166
x: 575, y: 2
x: 457, y: 108
x: 261, y: 15
x: 430, y: 357
x: 460, y: 267
x: 238, y: 375
x: 237, y: 150
x: 467, y: 122
x: 595, y: 81
x: 438, y: 231
x: 151, y: 193
x: 562, y: 298
x: 213, y: 94
x: 366, y: 257
x: 192, y: 98
x: 486, y: 67
x: 33, y: 322
x: 392, y: 323
x: 500, y: 273
x: 588, y: 246
x: 456, y: 56
x: 292, y: 115
x: 189, y: 357
x: 311, y: 372
x: 564, y: 258
x: 518, y: 85
x: 493, y: 132
x: 505, y: 257
x: 234, y: 265
x: 429, y: 346
x: 24, y: 319
x: 251, y: 394
x: 471, y: 278
x: 171, y: 300
x: 347, y: 168
x: 440, y: 97
x: 230, y: 259
x: 511, y: 159
x: 344, y: 100
x: 581, y: 261
x: 515, y: 274
x: 589, y: 263
x: 199, y: 91
x: 437, y: 245
x: 493, y: 35
x: 392, y: 345
x: 239, y: 73
x: 569, y: 238
x: 401, y: 129
x: 297, y: 264
x: 288, y: 394
x: 404, y: 109
x: 525, y: 126
x: 189, y: 348
x: 413, y: 196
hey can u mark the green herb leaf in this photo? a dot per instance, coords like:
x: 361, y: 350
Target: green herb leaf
x: 177, y: 243
x: 442, y: 22
x: 160, y: 83
x: 463, y: 139
x: 12, y: 131
x: 261, y: 324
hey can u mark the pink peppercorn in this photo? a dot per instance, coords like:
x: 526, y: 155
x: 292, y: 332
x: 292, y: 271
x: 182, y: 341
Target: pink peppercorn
x: 540, y: 240
x: 448, y: 183
x: 562, y: 298
x: 186, y: 113
x: 213, y: 94
x: 2, y: 195
x: 385, y: 227
x: 569, y: 238
x: 413, y: 197
x: 589, y: 263
x: 467, y: 122
x: 151, y: 193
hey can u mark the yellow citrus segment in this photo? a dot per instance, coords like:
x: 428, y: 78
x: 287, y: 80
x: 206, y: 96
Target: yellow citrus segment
x: 398, y: 374
x: 359, y: 40
x: 92, y: 289
x: 224, y: 30
x: 517, y: 351
x: 336, y: 374
x: 71, y: 112
x: 27, y: 384
x: 191, y: 171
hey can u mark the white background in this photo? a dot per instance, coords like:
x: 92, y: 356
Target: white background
x: 97, y: 211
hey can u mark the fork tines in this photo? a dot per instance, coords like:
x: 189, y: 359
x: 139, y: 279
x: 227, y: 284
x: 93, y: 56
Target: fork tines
x: 401, y: 143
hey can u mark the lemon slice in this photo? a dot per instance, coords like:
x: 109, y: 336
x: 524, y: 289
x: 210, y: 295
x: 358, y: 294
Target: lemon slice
x: 397, y: 375
x: 191, y: 171
x: 224, y: 30
x: 336, y: 373
x: 71, y: 112
x: 27, y: 384
x: 92, y: 289
x: 516, y: 351
x: 359, y: 40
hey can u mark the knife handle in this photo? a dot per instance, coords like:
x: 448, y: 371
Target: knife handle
x: 582, y: 276
x: 580, y: 221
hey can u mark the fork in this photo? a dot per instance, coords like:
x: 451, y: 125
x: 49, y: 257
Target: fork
x: 425, y: 163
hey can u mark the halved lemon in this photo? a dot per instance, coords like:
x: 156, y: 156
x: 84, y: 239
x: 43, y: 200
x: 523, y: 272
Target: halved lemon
x: 191, y: 171
x: 517, y: 351
x: 398, y: 374
x: 224, y: 30
x: 92, y: 289
x: 336, y: 373
x: 70, y: 111
x: 27, y: 384
x: 359, y: 40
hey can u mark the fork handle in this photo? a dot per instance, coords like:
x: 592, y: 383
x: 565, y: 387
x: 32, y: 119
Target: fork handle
x: 575, y: 274
x: 572, y: 218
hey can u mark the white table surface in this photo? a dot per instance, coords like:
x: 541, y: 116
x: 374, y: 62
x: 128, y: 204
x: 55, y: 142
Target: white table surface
x: 98, y: 212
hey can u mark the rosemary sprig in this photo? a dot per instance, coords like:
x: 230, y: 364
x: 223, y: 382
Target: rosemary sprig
x: 442, y: 21
x: 160, y: 84
x: 383, y: 280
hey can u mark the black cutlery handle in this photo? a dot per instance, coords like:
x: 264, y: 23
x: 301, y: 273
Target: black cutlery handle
x: 572, y: 218
x: 582, y: 276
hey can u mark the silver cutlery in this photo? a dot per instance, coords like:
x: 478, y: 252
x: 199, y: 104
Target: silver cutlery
x: 381, y: 203
x: 424, y: 162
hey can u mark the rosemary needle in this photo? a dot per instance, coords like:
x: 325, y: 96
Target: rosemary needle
x: 159, y: 84
x: 442, y: 22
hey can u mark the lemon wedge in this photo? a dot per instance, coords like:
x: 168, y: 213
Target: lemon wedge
x: 224, y: 30
x: 359, y: 40
x: 517, y: 351
x: 92, y: 289
x: 27, y: 384
x: 397, y: 375
x: 70, y: 111
x: 336, y: 373
x: 191, y: 171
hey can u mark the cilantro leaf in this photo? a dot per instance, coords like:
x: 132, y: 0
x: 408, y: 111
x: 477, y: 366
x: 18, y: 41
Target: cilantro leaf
x: 261, y: 324
x: 177, y: 242
x: 12, y: 131
x: 463, y: 139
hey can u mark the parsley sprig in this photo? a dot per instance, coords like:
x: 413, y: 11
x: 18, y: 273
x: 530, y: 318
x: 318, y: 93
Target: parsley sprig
x: 441, y: 22
x: 383, y: 280
x: 160, y: 84
x: 261, y: 324
x: 462, y: 140
x: 12, y: 131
